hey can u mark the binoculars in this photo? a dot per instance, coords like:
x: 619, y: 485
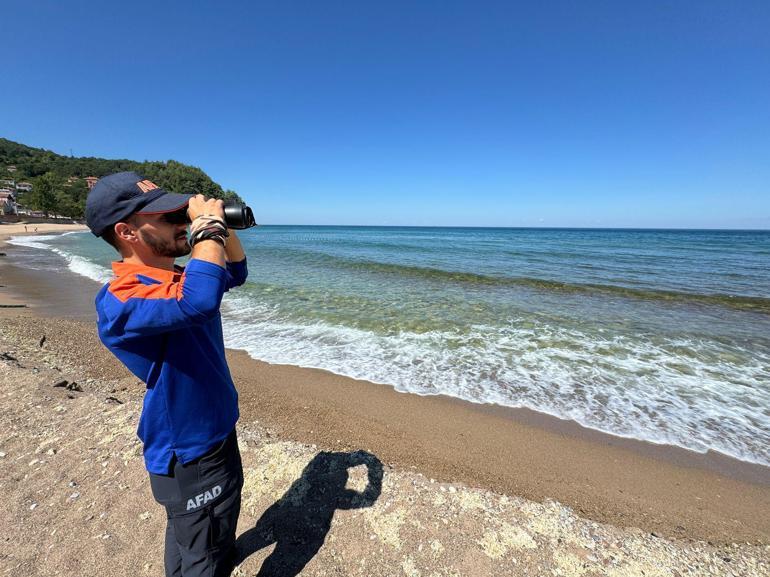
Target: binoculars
x: 238, y: 215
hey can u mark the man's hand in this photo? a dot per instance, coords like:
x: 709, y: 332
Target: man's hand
x: 208, y: 250
x: 199, y: 205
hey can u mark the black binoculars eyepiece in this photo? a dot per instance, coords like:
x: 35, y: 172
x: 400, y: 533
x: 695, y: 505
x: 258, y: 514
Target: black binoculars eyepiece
x: 238, y: 215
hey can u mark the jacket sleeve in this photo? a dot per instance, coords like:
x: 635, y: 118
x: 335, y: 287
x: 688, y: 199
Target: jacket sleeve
x: 134, y: 309
x: 236, y: 273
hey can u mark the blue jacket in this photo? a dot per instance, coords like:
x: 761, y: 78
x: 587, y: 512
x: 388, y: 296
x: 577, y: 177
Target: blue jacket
x: 166, y: 328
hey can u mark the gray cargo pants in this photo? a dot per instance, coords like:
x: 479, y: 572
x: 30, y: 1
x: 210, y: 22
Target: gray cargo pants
x: 202, y: 501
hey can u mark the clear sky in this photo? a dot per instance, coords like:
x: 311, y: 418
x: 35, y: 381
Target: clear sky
x: 573, y: 113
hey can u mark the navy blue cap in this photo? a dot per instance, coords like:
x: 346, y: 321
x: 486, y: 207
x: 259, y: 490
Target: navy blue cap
x: 117, y: 196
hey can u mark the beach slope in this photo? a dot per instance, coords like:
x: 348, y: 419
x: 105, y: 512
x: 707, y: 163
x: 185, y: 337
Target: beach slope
x: 74, y: 490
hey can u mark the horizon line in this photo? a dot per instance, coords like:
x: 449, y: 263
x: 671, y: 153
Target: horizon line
x: 627, y: 228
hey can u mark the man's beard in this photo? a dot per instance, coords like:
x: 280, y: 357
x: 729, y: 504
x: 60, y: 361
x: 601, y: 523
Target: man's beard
x: 163, y: 247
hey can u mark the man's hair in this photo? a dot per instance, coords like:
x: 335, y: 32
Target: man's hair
x: 111, y: 238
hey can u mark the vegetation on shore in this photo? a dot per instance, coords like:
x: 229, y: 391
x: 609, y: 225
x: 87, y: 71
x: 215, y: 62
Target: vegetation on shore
x: 59, y: 185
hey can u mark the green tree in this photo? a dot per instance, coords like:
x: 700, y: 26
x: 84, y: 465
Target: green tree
x: 231, y: 195
x: 66, y: 205
x: 78, y: 193
x: 44, y: 195
x: 33, y: 163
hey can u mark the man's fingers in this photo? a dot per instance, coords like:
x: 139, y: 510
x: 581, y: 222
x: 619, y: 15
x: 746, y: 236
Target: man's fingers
x: 199, y: 205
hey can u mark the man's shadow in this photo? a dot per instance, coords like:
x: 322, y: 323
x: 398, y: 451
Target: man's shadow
x: 299, y: 521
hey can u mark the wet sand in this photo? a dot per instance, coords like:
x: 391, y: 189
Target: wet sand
x: 64, y: 294
x: 665, y: 490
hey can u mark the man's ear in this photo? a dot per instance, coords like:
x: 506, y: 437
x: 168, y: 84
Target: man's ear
x: 126, y: 233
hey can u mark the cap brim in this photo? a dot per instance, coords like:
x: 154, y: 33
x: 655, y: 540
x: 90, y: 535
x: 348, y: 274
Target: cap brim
x: 169, y: 202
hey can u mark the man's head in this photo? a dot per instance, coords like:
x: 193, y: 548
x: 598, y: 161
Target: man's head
x: 137, y: 217
x: 157, y: 235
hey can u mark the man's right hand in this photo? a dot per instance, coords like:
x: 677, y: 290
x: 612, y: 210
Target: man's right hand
x: 199, y: 205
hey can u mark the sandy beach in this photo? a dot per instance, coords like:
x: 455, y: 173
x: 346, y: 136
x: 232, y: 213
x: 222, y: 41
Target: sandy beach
x: 11, y: 229
x: 26, y: 289
x: 465, y: 488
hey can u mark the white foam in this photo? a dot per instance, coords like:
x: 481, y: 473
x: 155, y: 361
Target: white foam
x: 693, y: 394
x: 75, y: 263
x: 665, y: 391
x: 33, y: 241
x: 86, y: 268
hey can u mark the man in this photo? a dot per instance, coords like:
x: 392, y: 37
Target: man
x: 163, y: 323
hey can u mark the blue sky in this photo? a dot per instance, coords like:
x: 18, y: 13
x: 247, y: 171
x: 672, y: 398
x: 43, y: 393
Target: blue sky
x: 415, y: 113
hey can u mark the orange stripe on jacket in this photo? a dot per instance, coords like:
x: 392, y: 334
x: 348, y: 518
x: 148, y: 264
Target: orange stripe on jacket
x: 129, y: 286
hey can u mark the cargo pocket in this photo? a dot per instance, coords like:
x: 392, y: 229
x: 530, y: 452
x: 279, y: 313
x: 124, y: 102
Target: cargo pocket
x: 223, y: 519
x: 193, y: 531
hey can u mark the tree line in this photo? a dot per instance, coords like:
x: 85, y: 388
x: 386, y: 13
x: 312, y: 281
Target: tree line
x: 55, y: 192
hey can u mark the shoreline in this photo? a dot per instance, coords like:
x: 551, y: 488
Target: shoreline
x: 666, y: 489
x: 85, y: 506
x: 25, y: 289
x: 672, y: 491
x: 17, y: 229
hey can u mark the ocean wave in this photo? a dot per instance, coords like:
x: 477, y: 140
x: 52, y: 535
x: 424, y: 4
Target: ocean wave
x: 76, y: 263
x: 668, y: 391
x: 697, y: 393
x: 38, y: 241
x: 427, y: 273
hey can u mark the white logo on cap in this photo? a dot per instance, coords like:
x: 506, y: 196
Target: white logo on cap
x: 147, y: 185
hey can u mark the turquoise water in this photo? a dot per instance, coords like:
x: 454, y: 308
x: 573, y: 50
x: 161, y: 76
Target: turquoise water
x: 656, y: 335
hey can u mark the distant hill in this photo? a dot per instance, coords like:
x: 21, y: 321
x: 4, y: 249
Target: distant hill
x: 64, y: 176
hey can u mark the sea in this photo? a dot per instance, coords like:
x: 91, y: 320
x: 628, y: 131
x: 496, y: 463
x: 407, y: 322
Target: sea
x: 657, y: 335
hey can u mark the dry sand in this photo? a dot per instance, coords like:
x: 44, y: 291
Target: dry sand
x: 74, y: 498
x: 17, y: 228
x: 512, y: 493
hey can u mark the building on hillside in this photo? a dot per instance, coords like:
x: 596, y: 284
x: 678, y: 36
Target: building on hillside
x: 91, y: 181
x: 7, y: 201
x: 10, y: 168
x: 73, y: 178
x: 24, y: 187
x: 7, y: 183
